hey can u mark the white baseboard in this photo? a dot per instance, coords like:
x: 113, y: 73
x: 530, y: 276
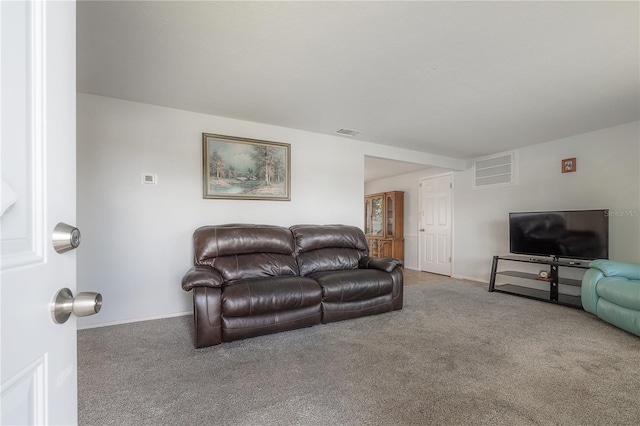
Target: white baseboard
x: 127, y: 321
x: 476, y: 279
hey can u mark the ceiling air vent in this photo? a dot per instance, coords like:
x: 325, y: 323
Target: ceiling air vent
x: 348, y: 132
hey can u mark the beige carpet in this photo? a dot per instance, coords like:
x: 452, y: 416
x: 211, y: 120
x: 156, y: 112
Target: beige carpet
x: 455, y: 355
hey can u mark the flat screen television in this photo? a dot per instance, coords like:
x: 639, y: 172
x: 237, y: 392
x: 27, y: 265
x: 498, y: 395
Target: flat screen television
x: 577, y: 234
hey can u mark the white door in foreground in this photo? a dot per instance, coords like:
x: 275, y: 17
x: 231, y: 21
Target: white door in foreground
x: 435, y: 224
x: 37, y: 119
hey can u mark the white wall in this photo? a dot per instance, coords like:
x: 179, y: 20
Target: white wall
x: 136, y: 239
x: 409, y: 183
x: 607, y: 177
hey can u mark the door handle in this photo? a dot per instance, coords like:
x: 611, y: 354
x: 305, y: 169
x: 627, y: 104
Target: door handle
x: 83, y: 305
x: 421, y: 229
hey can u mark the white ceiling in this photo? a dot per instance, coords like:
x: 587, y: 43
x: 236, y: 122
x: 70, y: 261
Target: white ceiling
x: 460, y: 79
x: 380, y: 168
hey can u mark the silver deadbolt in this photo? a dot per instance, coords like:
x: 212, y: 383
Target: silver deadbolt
x: 83, y: 305
x: 65, y: 237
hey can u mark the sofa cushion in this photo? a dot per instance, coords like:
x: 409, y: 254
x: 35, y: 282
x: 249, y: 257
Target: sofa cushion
x: 328, y: 247
x: 234, y: 328
x: 358, y: 284
x: 255, y: 265
x: 241, y: 251
x: 328, y: 259
x: 620, y: 291
x: 228, y: 240
x: 314, y: 237
x: 339, y: 311
x: 269, y: 295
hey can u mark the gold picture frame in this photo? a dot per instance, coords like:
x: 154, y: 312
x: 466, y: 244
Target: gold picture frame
x: 245, y: 169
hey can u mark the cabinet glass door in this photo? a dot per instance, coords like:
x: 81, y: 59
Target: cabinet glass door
x: 367, y: 216
x: 377, y: 215
x: 390, y: 216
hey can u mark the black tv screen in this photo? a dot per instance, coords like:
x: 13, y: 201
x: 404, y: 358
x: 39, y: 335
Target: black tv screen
x: 578, y: 234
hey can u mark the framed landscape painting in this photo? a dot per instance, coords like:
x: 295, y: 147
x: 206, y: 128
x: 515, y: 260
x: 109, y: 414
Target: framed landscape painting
x: 246, y: 169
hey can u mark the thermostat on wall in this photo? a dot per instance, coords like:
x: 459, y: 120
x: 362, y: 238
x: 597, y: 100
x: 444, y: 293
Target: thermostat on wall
x: 149, y: 178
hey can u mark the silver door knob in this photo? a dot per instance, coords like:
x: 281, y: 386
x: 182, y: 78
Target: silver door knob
x: 65, y: 237
x: 84, y: 304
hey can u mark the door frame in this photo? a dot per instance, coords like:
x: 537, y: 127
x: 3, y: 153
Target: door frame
x: 451, y: 209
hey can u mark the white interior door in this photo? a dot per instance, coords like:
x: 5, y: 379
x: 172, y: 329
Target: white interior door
x: 37, y: 120
x: 435, y: 224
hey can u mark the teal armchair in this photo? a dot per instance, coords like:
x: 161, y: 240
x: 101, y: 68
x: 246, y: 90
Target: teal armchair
x: 611, y: 290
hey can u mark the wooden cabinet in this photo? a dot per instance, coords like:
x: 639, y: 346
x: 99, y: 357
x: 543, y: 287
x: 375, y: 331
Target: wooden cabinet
x: 383, y: 224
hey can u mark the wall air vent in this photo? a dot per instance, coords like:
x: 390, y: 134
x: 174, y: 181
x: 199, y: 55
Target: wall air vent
x: 495, y: 170
x: 348, y: 132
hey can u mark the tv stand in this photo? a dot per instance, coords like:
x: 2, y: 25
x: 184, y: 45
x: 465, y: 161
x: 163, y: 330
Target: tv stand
x: 552, y: 295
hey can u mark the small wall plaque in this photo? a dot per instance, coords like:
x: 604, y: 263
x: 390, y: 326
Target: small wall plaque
x: 568, y: 165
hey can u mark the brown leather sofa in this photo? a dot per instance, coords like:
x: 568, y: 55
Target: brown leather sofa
x: 250, y: 280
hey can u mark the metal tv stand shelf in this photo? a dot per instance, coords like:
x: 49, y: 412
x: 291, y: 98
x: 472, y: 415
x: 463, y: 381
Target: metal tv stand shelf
x: 552, y: 295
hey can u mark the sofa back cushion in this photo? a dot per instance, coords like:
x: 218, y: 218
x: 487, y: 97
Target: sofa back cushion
x: 328, y: 247
x: 241, y: 251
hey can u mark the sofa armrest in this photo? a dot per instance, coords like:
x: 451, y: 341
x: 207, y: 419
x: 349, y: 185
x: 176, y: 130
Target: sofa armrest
x: 386, y: 264
x: 201, y: 276
x: 588, y: 294
x: 611, y: 268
